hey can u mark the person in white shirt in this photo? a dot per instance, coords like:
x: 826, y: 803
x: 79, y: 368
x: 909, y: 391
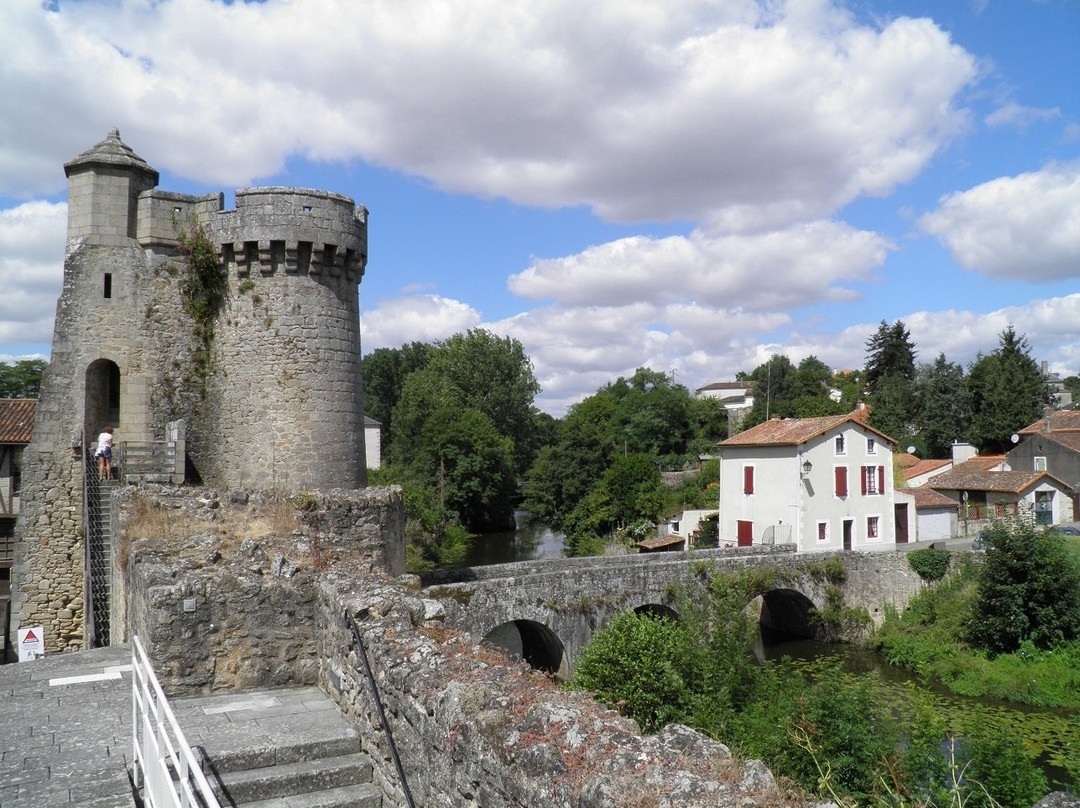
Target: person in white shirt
x: 104, y: 453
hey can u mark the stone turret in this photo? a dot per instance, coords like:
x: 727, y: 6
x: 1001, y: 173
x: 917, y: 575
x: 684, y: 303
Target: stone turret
x: 268, y: 387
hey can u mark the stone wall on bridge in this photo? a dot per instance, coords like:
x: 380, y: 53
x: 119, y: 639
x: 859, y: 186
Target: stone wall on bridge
x: 562, y: 602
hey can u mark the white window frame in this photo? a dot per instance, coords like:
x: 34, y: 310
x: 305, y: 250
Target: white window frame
x: 877, y: 523
x: 840, y: 445
x: 871, y: 446
x: 1038, y: 463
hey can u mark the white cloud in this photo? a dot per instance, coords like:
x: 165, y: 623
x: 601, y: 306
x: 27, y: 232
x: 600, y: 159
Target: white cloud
x: 733, y: 111
x: 417, y: 318
x: 1020, y: 117
x: 31, y: 270
x: 1025, y: 227
x: 769, y: 271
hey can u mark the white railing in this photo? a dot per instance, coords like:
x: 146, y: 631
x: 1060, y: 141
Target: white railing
x: 164, y: 766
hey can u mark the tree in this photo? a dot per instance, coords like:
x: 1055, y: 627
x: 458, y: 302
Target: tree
x: 631, y: 481
x: 463, y: 457
x: 384, y: 371
x: 22, y: 379
x: 890, y: 352
x: 1008, y: 392
x: 651, y: 415
x: 1028, y: 590
x: 943, y: 405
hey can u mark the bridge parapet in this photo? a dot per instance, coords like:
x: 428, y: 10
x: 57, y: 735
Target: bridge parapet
x: 567, y: 600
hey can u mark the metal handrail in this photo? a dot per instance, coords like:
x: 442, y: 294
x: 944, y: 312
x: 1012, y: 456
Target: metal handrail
x: 362, y: 653
x: 164, y: 764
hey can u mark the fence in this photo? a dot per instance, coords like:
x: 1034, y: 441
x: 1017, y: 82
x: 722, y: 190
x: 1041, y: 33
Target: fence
x: 150, y: 461
x: 164, y: 764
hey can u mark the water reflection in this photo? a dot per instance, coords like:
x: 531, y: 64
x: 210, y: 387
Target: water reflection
x: 529, y: 541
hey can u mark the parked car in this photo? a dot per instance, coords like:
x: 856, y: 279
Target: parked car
x: 1067, y: 530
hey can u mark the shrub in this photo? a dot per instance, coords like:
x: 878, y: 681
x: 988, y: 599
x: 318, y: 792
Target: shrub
x: 930, y: 564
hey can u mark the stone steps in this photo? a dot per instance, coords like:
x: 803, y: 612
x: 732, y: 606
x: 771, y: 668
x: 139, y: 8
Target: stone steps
x: 278, y: 749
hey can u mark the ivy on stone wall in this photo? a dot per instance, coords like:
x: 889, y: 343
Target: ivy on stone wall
x: 203, y: 287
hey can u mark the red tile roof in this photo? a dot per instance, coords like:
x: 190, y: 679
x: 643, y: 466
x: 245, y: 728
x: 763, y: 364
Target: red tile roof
x: 926, y: 497
x: 795, y: 431
x: 1060, y: 421
x: 925, y: 467
x: 17, y: 419
x: 1008, y: 482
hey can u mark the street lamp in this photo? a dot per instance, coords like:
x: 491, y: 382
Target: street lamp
x: 807, y: 467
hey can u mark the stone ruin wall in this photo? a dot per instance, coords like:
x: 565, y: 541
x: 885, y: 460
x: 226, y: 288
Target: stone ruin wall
x: 471, y: 727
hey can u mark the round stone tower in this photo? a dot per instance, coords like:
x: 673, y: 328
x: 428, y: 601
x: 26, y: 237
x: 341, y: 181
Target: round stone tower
x: 265, y: 394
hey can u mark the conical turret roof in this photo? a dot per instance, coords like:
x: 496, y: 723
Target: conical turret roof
x: 112, y: 151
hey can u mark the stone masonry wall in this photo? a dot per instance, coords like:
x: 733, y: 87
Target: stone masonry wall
x: 229, y: 601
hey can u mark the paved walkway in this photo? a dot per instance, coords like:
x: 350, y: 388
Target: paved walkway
x: 65, y: 730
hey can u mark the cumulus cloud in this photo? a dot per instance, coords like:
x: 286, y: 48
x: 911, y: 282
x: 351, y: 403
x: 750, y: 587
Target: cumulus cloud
x: 1025, y: 227
x: 31, y: 268
x: 416, y: 318
x: 797, y: 266
x: 733, y: 111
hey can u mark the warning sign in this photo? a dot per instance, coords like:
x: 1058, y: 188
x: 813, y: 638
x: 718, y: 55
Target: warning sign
x: 31, y: 643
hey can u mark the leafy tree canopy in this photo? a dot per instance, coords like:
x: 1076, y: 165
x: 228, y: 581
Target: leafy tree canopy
x: 22, y: 379
x: 385, y: 371
x: 943, y: 405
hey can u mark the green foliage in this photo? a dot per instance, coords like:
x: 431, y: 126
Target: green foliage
x: 786, y: 391
x: 930, y: 564
x: 890, y: 375
x: 22, y: 379
x: 943, y: 405
x: 1027, y: 590
x: 1008, y: 390
x: 384, y: 371
x: 632, y: 665
x: 203, y: 287
x: 1000, y: 773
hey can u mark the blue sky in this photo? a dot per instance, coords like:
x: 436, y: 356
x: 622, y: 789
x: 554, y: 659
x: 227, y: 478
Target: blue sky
x: 689, y: 185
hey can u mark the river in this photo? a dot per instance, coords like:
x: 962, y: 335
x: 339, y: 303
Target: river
x: 531, y: 540
x: 1049, y: 733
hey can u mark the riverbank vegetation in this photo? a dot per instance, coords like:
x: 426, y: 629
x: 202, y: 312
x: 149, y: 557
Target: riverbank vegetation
x: 820, y: 730
x: 1006, y: 628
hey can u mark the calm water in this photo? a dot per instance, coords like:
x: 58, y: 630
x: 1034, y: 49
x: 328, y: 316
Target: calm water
x: 1050, y: 733
x: 531, y: 540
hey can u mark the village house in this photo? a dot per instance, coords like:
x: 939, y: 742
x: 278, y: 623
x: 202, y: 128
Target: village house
x: 822, y: 484
x: 1052, y: 444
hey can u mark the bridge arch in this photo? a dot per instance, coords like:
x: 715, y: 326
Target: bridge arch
x: 533, y: 642
x: 785, y: 613
x: 657, y: 610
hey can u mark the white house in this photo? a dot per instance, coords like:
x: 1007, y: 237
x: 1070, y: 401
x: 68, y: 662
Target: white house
x: 819, y: 483
x: 373, y: 442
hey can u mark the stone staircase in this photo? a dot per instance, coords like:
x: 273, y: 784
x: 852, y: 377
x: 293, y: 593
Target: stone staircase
x: 278, y: 749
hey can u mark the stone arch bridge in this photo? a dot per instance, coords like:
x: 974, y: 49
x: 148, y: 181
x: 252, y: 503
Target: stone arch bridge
x: 546, y: 611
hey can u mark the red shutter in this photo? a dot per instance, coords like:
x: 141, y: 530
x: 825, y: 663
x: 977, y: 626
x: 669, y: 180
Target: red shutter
x: 744, y: 533
x: 863, y: 478
x: 881, y: 480
x: 841, y: 481
x: 748, y: 479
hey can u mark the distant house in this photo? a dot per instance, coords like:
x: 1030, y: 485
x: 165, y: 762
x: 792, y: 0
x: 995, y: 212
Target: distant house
x: 819, y: 483
x: 737, y: 397
x: 660, y: 544
x: 936, y: 515
x: 686, y: 523
x: 923, y: 471
x: 372, y: 443
x: 986, y: 491
x: 1052, y: 444
x: 16, y: 424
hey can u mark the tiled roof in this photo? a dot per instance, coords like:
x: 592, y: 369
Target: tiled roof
x: 1060, y: 421
x: 1008, y: 482
x: 670, y: 540
x: 727, y: 386
x: 795, y: 431
x: 924, y: 467
x: 1070, y: 440
x: 981, y: 463
x: 16, y: 419
x: 926, y: 497
x: 905, y: 460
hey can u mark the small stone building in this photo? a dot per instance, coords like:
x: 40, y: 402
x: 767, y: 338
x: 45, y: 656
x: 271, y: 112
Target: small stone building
x: 251, y: 384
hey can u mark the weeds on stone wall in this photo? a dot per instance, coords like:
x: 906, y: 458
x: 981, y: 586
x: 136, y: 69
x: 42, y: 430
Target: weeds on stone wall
x: 203, y: 287
x: 836, y: 620
x: 930, y: 564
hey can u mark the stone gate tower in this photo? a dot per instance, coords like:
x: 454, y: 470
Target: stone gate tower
x: 265, y: 393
